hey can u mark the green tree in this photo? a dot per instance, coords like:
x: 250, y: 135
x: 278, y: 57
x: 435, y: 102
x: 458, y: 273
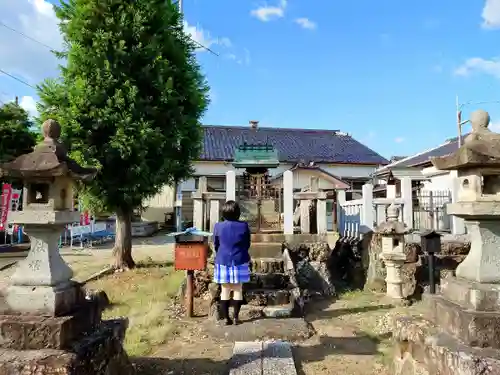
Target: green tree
x: 16, y: 135
x: 129, y: 100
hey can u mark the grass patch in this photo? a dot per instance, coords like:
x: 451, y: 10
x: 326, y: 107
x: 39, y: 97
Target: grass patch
x: 84, y: 267
x: 144, y: 296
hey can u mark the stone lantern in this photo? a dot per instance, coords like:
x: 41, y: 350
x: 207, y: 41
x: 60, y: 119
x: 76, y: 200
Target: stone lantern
x: 461, y: 334
x: 393, y: 244
x: 48, y: 323
x: 477, y: 164
x: 41, y: 283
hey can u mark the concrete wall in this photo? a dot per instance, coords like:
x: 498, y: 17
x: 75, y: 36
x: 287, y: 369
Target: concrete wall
x: 164, y: 201
x: 301, y: 179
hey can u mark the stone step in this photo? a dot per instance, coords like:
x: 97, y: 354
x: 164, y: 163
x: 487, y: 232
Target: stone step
x: 278, y: 311
x: 262, y: 358
x: 268, y: 297
x: 246, y: 358
x: 266, y: 250
x: 268, y: 281
x: 267, y: 265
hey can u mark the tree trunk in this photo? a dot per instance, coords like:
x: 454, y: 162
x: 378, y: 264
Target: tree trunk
x: 122, y: 250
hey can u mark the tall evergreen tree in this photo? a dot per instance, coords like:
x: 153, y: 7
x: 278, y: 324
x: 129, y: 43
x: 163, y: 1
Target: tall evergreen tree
x: 16, y: 133
x: 129, y: 100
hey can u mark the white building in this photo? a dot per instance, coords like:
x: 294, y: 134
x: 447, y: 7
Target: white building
x: 432, y: 189
x: 339, y: 160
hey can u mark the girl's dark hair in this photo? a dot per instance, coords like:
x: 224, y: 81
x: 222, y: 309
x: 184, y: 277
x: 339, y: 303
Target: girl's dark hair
x: 231, y: 211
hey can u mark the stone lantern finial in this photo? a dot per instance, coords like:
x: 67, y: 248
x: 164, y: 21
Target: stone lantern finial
x: 479, y: 120
x: 51, y: 130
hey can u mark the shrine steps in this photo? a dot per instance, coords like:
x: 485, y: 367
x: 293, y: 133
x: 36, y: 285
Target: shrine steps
x: 262, y: 358
x: 269, y: 289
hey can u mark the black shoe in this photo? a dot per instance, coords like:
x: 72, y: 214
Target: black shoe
x: 237, y: 307
x: 225, y: 313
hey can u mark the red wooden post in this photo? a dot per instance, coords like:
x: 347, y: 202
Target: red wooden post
x: 191, y: 253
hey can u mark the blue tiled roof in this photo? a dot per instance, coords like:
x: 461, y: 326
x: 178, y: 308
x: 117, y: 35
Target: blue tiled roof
x: 425, y: 157
x: 293, y: 145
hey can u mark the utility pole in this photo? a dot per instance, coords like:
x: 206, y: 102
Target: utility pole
x: 459, y: 121
x: 179, y: 4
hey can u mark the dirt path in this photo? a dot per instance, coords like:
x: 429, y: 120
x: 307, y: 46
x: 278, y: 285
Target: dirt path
x: 352, y: 336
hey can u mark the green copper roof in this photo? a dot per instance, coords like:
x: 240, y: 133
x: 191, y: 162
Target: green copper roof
x: 256, y: 155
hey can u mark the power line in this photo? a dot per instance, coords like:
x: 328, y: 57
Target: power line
x: 26, y: 36
x: 53, y: 49
x: 17, y: 79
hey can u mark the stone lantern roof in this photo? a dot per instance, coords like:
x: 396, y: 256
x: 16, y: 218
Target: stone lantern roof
x: 481, y: 148
x: 48, y: 159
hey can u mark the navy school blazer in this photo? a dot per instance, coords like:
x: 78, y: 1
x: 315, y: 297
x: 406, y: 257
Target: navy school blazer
x: 231, y: 242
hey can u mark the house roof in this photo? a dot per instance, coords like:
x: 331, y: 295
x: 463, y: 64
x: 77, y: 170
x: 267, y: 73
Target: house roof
x: 340, y: 183
x: 423, y: 158
x: 293, y: 145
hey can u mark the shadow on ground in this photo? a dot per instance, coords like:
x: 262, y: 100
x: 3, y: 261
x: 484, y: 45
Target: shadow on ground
x: 328, y: 346
x: 319, y: 309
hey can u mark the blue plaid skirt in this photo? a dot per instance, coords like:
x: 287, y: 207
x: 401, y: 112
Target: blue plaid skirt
x: 231, y: 274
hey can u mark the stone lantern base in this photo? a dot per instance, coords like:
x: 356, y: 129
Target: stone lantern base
x: 74, y: 344
x: 459, y: 336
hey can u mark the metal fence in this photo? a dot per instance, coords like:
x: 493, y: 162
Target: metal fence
x: 429, y: 210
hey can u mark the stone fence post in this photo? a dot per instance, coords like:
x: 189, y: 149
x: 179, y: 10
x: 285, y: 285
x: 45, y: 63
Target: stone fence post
x: 367, y: 210
x: 457, y: 223
x: 199, y: 204
x: 407, y: 196
x: 288, y: 202
x: 230, y: 186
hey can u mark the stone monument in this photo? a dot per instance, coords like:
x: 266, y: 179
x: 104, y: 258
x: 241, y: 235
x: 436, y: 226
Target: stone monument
x: 48, y: 324
x: 393, y: 244
x: 462, y: 333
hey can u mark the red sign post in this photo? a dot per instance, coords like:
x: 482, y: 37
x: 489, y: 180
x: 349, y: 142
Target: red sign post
x: 191, y: 253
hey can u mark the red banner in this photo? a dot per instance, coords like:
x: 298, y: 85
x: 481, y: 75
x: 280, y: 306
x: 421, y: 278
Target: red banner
x: 85, y: 218
x: 6, y: 202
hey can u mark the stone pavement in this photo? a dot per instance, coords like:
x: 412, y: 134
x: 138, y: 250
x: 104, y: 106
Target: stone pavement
x: 262, y: 358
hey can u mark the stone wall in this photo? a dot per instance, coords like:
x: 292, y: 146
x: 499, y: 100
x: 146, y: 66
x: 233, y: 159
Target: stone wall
x: 309, y: 264
x: 454, y: 249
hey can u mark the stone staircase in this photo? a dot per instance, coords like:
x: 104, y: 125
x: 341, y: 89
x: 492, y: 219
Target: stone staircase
x: 270, y: 289
x: 262, y: 358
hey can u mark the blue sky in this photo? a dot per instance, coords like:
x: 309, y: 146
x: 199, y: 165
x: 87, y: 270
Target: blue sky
x: 385, y: 71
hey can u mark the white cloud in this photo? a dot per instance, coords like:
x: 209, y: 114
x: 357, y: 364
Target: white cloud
x: 267, y: 13
x: 495, y: 126
x: 306, y: 23
x: 491, y: 14
x: 204, y: 39
x: 399, y: 140
x: 29, y: 105
x: 479, y: 65
x: 245, y: 60
x: 21, y: 56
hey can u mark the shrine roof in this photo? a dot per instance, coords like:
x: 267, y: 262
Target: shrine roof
x: 292, y: 145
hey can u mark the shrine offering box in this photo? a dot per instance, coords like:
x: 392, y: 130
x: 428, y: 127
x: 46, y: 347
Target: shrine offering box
x: 191, y: 252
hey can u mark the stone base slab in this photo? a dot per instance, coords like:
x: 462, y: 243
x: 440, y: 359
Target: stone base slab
x: 43, y: 300
x: 267, y: 265
x: 422, y: 350
x: 471, y: 295
x: 266, y: 250
x: 267, y: 281
x: 474, y: 328
x: 27, y: 332
x: 98, y: 353
x: 268, y: 297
